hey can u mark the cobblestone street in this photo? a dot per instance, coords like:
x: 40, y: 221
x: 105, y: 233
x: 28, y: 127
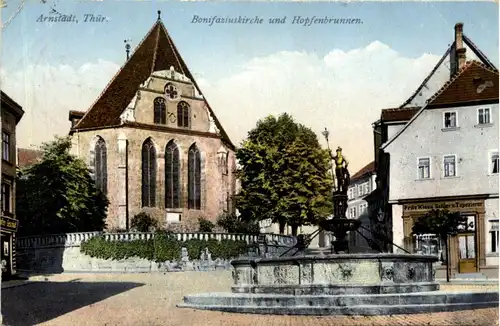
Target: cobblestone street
x: 150, y: 299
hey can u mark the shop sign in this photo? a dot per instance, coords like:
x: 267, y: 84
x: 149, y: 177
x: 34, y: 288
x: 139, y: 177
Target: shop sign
x: 457, y: 205
x: 8, y: 224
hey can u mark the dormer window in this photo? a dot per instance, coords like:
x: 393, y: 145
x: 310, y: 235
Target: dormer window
x: 172, y: 92
x: 183, y: 115
x: 160, y: 111
x: 450, y: 120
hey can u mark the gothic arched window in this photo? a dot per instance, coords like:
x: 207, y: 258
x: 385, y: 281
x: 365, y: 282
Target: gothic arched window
x: 194, y: 178
x: 148, y: 174
x: 183, y: 114
x: 160, y: 110
x: 101, y: 165
x: 172, y: 182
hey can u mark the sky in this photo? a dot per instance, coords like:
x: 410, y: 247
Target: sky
x: 333, y: 76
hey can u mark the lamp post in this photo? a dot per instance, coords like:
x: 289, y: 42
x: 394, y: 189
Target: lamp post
x: 326, y: 133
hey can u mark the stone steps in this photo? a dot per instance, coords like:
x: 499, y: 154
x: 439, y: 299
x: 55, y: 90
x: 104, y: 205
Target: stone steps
x: 341, y: 304
x: 470, y: 276
x: 362, y: 310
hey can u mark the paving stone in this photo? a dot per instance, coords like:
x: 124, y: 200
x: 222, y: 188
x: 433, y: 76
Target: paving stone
x: 154, y: 303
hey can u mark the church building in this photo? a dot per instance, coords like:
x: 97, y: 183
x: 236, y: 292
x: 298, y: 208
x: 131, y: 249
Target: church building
x: 154, y: 144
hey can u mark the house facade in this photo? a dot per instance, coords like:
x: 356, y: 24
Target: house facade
x: 154, y: 144
x: 11, y: 115
x: 394, y: 119
x: 362, y: 184
x: 446, y: 157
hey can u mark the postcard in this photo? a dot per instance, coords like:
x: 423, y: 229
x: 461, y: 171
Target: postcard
x: 291, y: 162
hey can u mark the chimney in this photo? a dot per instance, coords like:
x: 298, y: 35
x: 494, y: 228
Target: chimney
x: 459, y: 43
x: 457, y: 55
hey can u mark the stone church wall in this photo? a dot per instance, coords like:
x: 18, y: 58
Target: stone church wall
x: 211, y: 177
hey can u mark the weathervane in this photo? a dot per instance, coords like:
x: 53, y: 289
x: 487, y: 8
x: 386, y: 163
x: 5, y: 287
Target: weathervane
x: 159, y: 14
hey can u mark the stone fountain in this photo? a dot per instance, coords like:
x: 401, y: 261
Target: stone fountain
x: 338, y: 283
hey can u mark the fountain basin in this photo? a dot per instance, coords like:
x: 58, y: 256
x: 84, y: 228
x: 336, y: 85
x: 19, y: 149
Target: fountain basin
x: 340, y: 284
x: 335, y: 274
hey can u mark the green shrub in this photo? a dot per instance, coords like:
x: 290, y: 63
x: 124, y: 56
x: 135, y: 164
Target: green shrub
x: 234, y: 224
x: 164, y: 246
x: 205, y: 225
x: 143, y: 222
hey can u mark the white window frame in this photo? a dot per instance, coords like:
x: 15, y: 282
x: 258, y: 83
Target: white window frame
x: 418, y: 167
x: 490, y: 163
x: 497, y: 233
x: 444, y: 166
x: 360, y: 190
x: 366, y: 186
x: 490, y: 111
x: 444, y: 120
x: 354, y: 212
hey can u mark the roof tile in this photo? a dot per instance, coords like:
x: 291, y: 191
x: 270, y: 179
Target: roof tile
x: 155, y: 52
x: 369, y: 168
x: 474, y: 82
x: 398, y: 114
x: 26, y: 157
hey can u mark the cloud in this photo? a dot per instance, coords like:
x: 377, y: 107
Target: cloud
x: 48, y: 93
x: 343, y: 91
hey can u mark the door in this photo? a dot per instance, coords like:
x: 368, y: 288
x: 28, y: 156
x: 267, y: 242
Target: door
x: 467, y: 253
x: 6, y: 252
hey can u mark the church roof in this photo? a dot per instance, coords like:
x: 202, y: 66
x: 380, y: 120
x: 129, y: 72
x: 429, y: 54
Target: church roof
x: 155, y: 52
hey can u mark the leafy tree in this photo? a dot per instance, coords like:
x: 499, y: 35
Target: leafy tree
x: 284, y: 174
x: 58, y: 195
x: 234, y: 224
x: 143, y: 222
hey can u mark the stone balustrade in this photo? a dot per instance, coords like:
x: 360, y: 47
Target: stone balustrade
x: 75, y: 239
x: 61, y: 252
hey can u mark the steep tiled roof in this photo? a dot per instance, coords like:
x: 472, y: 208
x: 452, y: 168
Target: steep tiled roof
x: 156, y: 52
x: 471, y: 45
x: 398, y: 114
x: 27, y: 157
x: 76, y: 114
x: 475, y: 82
x: 369, y: 168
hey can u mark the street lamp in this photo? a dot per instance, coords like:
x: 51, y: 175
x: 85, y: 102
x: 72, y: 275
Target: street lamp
x: 326, y: 133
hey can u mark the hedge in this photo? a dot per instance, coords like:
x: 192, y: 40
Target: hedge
x: 162, y: 247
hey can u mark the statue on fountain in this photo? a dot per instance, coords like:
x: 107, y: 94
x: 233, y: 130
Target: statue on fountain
x: 341, y: 172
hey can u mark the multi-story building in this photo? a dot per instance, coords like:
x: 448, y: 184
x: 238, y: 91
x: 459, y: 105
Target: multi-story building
x: 394, y: 119
x: 446, y: 157
x: 11, y: 114
x: 362, y: 184
x: 153, y: 143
